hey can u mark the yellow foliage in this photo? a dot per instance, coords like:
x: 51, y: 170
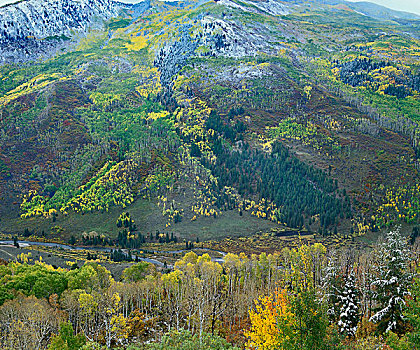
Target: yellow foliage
x: 264, y: 334
x: 136, y: 43
x: 157, y: 115
x: 24, y: 258
x: 307, y: 89
x: 35, y: 83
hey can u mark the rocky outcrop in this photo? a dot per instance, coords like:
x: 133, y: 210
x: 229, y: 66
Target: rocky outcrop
x: 34, y: 28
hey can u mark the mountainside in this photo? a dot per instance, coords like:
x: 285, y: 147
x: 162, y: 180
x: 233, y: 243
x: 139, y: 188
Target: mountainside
x: 381, y: 12
x: 41, y: 19
x: 34, y: 24
x: 208, y: 119
x: 371, y: 9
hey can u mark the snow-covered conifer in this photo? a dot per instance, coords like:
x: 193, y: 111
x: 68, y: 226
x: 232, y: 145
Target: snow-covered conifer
x: 349, y: 310
x: 392, y: 281
x: 331, y: 287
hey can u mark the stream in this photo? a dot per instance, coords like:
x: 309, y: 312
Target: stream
x: 24, y: 244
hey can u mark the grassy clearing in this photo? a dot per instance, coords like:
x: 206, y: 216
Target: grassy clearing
x: 148, y: 218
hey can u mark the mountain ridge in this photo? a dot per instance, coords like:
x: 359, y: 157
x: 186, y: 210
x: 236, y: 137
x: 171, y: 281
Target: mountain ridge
x: 381, y: 12
x: 35, y: 28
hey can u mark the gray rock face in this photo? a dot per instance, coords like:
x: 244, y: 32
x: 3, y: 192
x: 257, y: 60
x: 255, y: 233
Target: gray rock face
x: 172, y: 57
x: 25, y: 25
x: 45, y: 18
x: 24, y: 50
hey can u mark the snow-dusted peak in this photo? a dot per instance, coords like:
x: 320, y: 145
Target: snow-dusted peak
x: 43, y: 18
x: 271, y: 7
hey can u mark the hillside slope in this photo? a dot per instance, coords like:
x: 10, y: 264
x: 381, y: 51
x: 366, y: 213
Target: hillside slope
x: 213, y: 119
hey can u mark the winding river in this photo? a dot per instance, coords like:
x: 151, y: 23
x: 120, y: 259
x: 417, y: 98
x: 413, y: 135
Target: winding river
x: 104, y: 249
